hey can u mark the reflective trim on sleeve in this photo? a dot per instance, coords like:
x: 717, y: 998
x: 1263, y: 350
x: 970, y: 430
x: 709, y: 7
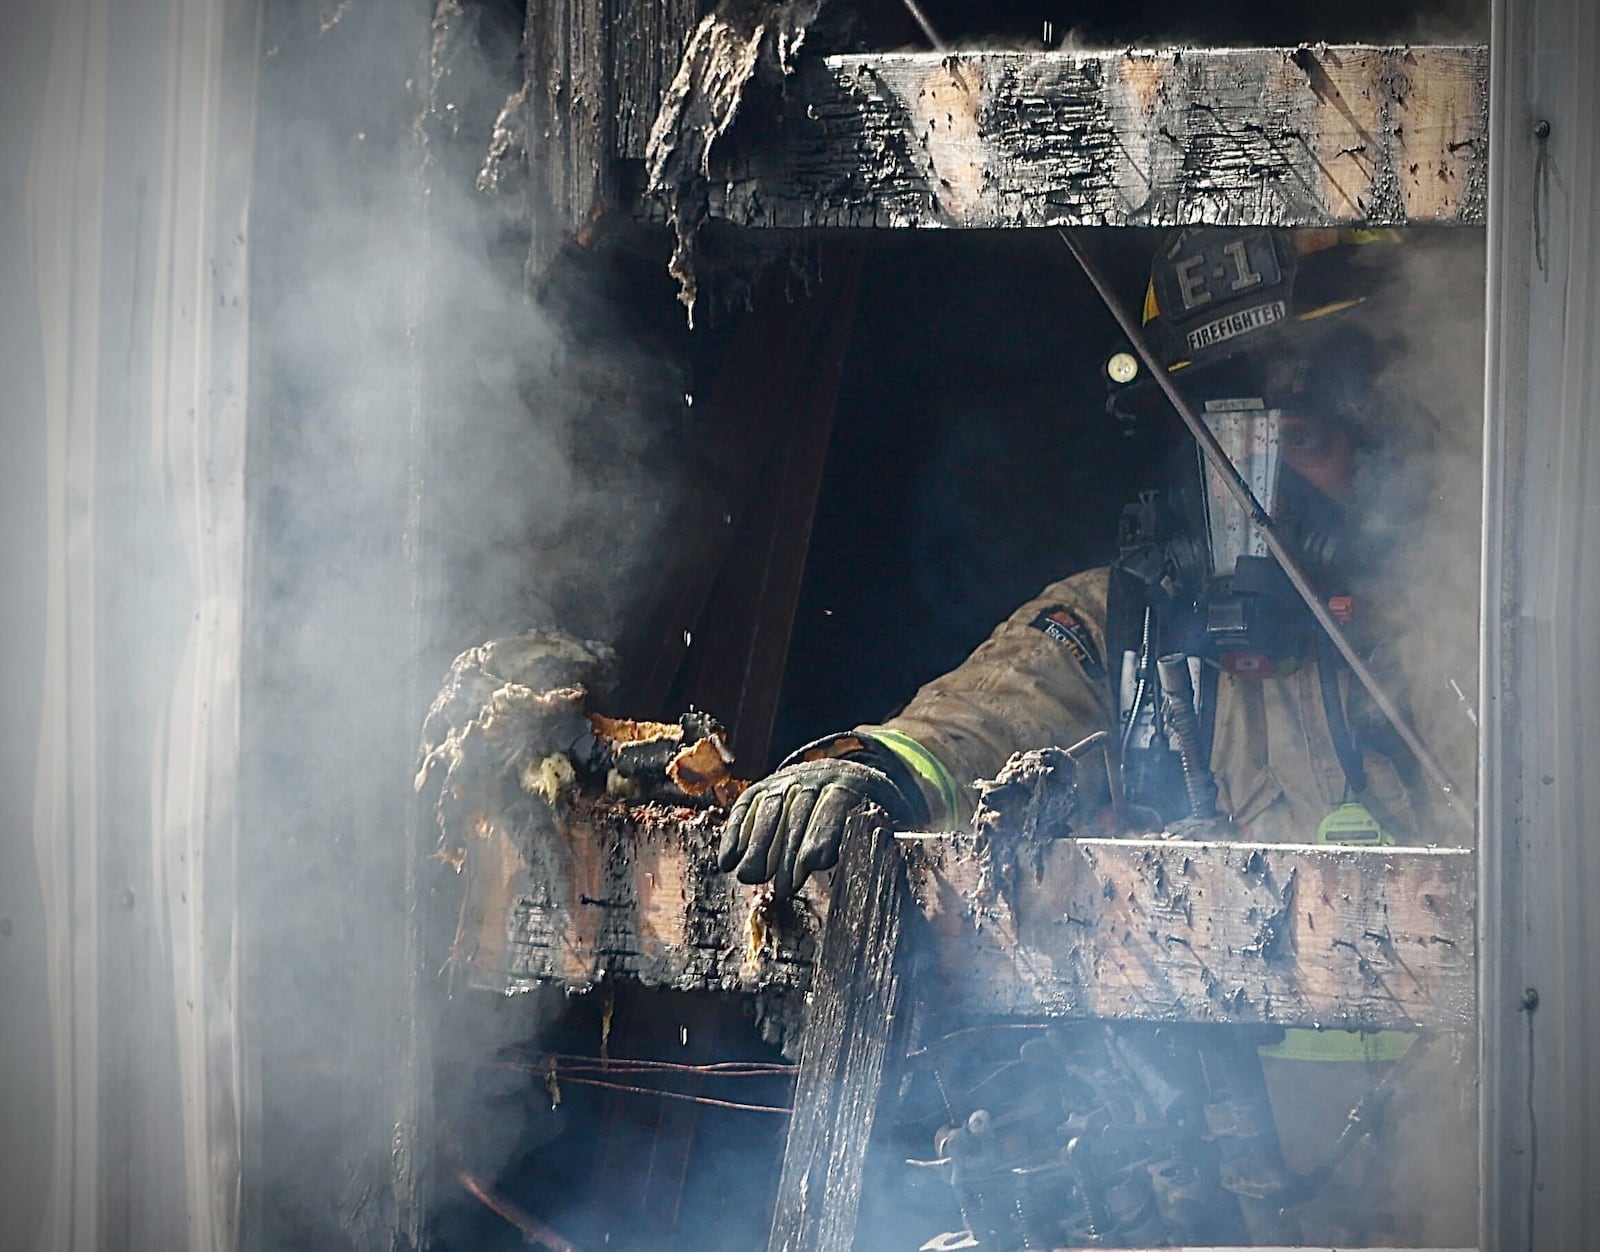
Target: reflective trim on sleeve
x: 927, y: 767
x: 1300, y: 1044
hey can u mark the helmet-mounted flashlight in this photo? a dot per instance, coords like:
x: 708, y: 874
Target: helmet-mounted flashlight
x: 1219, y: 296
x: 1123, y: 367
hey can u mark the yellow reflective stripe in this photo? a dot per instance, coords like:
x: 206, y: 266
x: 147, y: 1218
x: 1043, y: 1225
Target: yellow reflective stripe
x: 1307, y: 242
x: 927, y: 767
x: 1340, y: 1045
x: 1338, y: 306
x: 1370, y: 234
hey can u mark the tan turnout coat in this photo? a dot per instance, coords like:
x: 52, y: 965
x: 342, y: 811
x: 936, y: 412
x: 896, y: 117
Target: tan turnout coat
x: 1277, y: 772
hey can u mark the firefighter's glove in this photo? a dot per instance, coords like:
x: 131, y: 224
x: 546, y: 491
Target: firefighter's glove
x: 790, y: 824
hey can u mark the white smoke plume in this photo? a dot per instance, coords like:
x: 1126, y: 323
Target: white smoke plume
x: 440, y: 458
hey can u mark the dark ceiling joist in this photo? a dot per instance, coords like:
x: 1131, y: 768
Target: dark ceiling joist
x: 1277, y: 136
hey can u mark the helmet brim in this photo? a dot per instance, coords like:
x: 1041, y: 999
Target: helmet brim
x: 1327, y: 367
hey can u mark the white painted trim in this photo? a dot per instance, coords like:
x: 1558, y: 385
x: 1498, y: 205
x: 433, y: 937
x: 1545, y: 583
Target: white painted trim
x: 187, y: 331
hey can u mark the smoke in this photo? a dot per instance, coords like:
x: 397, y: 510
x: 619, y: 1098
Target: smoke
x: 1419, y: 497
x: 533, y: 460
x: 1426, y: 503
x: 1435, y: 323
x: 438, y: 458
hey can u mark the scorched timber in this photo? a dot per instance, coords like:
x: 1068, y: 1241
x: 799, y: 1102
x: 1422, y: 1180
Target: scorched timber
x: 1269, y: 136
x: 610, y: 890
x: 1167, y: 930
x: 1111, y: 928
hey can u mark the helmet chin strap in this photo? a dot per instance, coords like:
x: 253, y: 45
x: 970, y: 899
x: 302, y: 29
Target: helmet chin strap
x: 1220, y: 462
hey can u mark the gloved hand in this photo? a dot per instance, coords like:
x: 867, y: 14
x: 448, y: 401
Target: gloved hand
x: 790, y: 824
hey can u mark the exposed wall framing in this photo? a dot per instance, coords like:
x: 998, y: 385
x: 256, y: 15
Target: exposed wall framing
x: 647, y: 39
x: 1132, y: 929
x: 1157, y: 929
x: 1278, y: 136
x: 596, y: 70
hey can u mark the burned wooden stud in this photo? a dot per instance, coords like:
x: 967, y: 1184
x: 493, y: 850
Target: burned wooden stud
x: 772, y: 403
x: 1267, y: 136
x: 1122, y: 929
x: 1170, y: 930
x: 608, y: 890
x: 741, y: 644
x: 850, y: 1034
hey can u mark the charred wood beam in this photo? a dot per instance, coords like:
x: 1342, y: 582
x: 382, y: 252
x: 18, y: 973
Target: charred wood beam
x: 616, y: 890
x: 596, y: 71
x: 647, y: 40
x: 571, y: 124
x: 736, y: 45
x: 1273, y: 136
x: 1145, y: 929
x: 1158, y: 929
x: 851, y: 1032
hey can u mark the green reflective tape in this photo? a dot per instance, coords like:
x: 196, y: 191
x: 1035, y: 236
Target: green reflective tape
x: 927, y: 767
x: 1340, y: 1045
x: 1353, y: 824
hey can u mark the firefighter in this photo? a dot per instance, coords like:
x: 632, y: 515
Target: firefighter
x: 1277, y: 339
x: 1286, y: 372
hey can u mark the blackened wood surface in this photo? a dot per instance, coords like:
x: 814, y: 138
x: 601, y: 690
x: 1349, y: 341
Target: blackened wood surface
x: 595, y: 74
x: 734, y: 431
x: 1279, y: 136
x: 571, y: 115
x: 346, y: 558
x: 1131, y: 929
x: 1159, y: 930
x: 647, y: 41
x: 594, y: 890
x: 741, y: 42
x: 848, y: 1038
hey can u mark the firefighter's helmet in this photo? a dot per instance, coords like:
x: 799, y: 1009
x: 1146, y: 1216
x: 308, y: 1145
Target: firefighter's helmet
x: 1280, y: 314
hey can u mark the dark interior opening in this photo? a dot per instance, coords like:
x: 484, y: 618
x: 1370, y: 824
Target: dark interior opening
x: 972, y: 462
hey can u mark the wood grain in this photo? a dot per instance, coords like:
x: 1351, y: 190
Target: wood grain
x: 1210, y: 932
x: 851, y: 1030
x: 1276, y: 136
x: 1145, y: 929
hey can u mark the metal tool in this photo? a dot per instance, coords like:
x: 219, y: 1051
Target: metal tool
x: 1177, y: 704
